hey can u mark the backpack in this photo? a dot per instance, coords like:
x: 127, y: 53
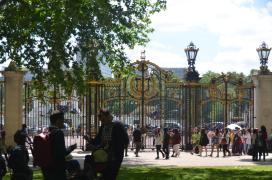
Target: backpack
x: 42, y: 151
x: 16, y: 159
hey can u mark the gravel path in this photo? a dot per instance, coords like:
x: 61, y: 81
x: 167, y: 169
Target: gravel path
x: 147, y: 158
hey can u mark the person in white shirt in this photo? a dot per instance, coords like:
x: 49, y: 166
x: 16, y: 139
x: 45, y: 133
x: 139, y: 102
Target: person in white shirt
x: 247, y: 140
x: 158, y: 138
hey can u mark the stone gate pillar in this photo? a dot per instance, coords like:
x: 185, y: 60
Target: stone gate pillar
x: 13, y: 103
x: 263, y: 101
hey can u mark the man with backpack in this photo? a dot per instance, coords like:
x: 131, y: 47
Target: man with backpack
x: 56, y: 167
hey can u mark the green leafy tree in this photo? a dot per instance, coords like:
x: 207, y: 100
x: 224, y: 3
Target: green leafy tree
x: 45, y: 36
x: 208, y: 76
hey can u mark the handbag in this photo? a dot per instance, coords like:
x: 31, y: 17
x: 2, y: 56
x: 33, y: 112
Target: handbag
x: 223, y: 141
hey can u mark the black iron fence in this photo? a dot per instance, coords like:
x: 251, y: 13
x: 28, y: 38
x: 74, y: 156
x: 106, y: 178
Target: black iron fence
x: 37, y: 110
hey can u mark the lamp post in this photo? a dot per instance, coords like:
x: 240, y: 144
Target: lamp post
x: 191, y: 98
x: 191, y: 53
x: 263, y: 52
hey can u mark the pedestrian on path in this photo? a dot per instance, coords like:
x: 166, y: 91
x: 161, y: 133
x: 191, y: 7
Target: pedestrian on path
x: 137, y: 140
x: 166, y: 139
x: 225, y: 143
x: 158, y: 142
x: 195, y: 141
x: 215, y: 142
x: 176, y: 139
x: 204, y: 141
x: 254, y: 144
x: 262, y: 138
x: 144, y: 135
x: 247, y: 140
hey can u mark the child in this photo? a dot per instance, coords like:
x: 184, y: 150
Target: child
x: 18, y: 158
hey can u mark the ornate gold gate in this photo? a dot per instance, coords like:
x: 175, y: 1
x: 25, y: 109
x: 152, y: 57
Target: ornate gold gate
x: 151, y: 97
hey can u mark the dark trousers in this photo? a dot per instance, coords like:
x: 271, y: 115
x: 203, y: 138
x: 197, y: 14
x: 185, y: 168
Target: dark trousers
x: 109, y: 170
x: 126, y: 150
x: 158, y: 149
x: 255, y: 153
x: 137, y: 147
x: 225, y: 149
x: 166, y: 150
x: 112, y: 169
x: 262, y: 151
x: 58, y: 174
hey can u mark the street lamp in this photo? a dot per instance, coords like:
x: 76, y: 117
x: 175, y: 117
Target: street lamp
x: 263, y: 52
x: 191, y: 53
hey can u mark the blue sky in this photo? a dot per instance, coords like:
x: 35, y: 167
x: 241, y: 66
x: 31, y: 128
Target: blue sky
x: 227, y: 33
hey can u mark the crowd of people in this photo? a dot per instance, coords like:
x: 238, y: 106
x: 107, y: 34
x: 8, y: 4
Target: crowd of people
x: 111, y: 145
x: 253, y: 142
x: 163, y: 139
x: 231, y: 142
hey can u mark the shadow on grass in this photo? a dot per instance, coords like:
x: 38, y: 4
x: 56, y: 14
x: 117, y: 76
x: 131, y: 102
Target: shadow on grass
x: 175, y: 173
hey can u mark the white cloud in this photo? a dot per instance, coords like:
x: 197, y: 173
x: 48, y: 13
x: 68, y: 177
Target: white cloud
x: 269, y: 6
x: 163, y: 58
x: 237, y: 24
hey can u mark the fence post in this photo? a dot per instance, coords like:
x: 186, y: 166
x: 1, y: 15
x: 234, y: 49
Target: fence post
x: 263, y: 101
x: 13, y: 103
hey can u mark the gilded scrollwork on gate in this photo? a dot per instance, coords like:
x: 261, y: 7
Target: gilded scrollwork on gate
x: 213, y: 91
x: 239, y: 90
x: 138, y: 86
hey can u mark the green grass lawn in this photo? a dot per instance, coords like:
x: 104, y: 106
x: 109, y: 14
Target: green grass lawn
x: 176, y: 173
x: 209, y: 173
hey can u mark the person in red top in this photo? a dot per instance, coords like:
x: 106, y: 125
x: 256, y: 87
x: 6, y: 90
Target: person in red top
x: 176, y: 143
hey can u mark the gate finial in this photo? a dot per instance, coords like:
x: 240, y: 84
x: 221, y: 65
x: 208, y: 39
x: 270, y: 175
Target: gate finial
x: 142, y: 57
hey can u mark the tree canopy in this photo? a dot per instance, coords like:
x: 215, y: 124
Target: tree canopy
x: 44, y: 36
x: 208, y: 76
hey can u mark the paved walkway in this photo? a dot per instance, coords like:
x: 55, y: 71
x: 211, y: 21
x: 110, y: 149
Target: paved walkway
x: 147, y: 158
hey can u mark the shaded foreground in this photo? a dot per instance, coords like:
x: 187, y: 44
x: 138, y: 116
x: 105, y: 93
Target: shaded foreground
x: 176, y: 173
